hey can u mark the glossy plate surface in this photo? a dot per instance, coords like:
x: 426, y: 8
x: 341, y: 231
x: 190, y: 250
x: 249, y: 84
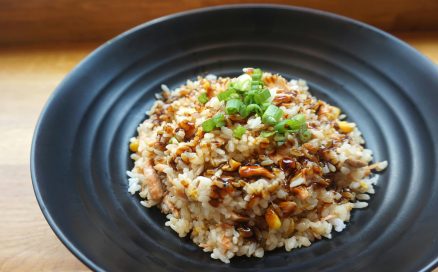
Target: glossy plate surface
x: 80, y: 147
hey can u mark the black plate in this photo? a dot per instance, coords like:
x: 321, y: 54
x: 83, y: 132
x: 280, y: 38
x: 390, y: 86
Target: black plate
x: 80, y: 147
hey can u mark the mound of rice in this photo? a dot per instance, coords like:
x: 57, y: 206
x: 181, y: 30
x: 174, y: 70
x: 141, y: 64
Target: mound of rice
x: 251, y: 193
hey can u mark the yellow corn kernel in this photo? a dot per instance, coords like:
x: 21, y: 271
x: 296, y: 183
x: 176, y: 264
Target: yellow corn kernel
x: 364, y: 185
x: 272, y: 219
x: 232, y: 165
x: 193, y: 194
x: 206, y: 85
x: 134, y: 145
x: 345, y: 127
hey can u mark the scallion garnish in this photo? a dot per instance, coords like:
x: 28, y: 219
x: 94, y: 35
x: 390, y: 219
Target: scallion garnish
x: 203, y: 98
x: 272, y: 115
x: 208, y: 125
x: 233, y: 106
x: 292, y: 125
x: 251, y: 108
x: 248, y: 99
x: 243, y: 83
x: 279, y: 137
x: 267, y: 134
x: 305, y: 136
x: 212, y: 123
x: 219, y: 120
x: 239, y: 131
x: 257, y: 74
x: 262, y: 96
x: 264, y: 106
x: 227, y: 95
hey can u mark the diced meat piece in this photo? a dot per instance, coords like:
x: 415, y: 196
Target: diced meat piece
x: 255, y: 170
x: 287, y: 207
x: 355, y: 163
x: 238, y: 218
x: 153, y: 182
x: 301, y: 192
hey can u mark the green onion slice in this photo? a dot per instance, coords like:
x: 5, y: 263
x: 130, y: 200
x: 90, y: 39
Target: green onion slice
x: 279, y: 138
x: 212, y: 123
x: 257, y: 74
x: 251, y: 108
x: 292, y: 125
x: 243, y: 83
x: 219, y: 120
x: 239, y: 131
x: 227, y: 95
x: 249, y: 98
x: 262, y: 96
x: 208, y: 125
x: 267, y: 134
x: 233, y: 106
x: 272, y: 115
x: 305, y: 136
x: 264, y: 106
x: 203, y: 98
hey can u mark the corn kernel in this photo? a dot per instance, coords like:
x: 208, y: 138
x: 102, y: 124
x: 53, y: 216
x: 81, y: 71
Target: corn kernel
x: 206, y: 85
x: 193, y: 194
x: 232, y: 165
x: 364, y: 185
x: 345, y: 127
x: 195, y: 231
x: 134, y: 145
x: 272, y: 219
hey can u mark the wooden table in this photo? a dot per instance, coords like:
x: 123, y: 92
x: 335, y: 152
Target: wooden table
x: 28, y: 74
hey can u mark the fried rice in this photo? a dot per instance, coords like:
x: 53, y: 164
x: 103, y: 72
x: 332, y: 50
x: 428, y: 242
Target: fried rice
x: 245, y: 185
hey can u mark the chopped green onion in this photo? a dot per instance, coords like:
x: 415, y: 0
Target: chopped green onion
x: 219, y: 120
x: 256, y: 84
x: 257, y: 74
x: 212, y: 123
x: 233, y: 106
x: 243, y: 83
x: 226, y: 95
x: 203, y: 98
x: 279, y: 138
x: 249, y: 98
x: 272, y: 115
x: 292, y: 125
x: 264, y: 106
x: 234, y: 96
x: 251, y: 108
x: 239, y: 131
x: 300, y: 118
x: 267, y: 134
x: 173, y: 140
x: 262, y: 96
x: 305, y: 136
x: 208, y: 125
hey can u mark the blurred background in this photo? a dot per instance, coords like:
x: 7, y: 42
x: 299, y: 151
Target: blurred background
x: 89, y: 20
x: 42, y: 40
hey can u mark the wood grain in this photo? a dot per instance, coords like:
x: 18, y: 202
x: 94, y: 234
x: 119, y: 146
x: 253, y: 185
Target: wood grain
x: 28, y: 74
x: 27, y: 77
x: 88, y: 20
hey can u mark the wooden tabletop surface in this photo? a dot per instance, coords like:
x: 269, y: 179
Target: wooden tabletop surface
x: 28, y: 75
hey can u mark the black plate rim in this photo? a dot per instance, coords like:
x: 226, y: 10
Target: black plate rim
x: 59, y: 89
